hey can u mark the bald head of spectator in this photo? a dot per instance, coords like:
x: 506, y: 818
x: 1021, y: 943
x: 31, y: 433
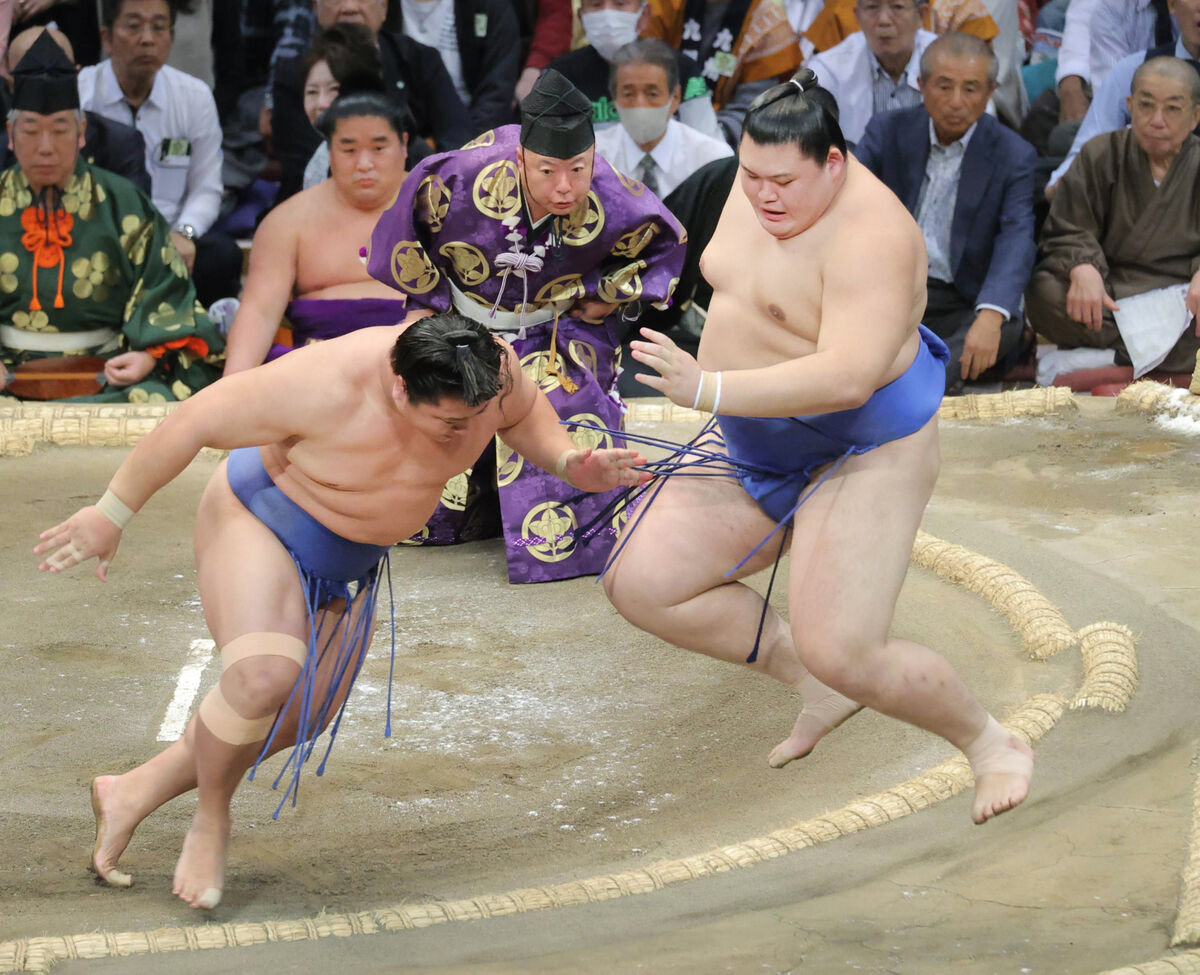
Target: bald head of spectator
x: 19, y: 46
x: 890, y: 28
x: 958, y: 76
x: 370, y: 13
x: 1164, y: 107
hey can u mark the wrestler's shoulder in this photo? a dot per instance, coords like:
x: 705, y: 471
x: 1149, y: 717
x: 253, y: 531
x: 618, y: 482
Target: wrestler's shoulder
x: 300, y: 209
x: 870, y: 217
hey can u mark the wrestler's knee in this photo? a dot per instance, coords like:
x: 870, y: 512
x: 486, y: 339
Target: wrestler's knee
x: 633, y: 593
x: 258, y: 685
x: 835, y: 660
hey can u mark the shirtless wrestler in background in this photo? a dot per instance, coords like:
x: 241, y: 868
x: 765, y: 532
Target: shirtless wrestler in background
x: 818, y: 277
x: 308, y: 246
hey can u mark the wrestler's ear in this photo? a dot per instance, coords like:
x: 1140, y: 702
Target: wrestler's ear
x: 400, y: 391
x: 835, y: 162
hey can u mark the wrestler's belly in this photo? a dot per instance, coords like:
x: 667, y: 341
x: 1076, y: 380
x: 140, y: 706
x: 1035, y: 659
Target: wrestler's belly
x: 369, y: 288
x: 381, y: 516
x: 738, y: 336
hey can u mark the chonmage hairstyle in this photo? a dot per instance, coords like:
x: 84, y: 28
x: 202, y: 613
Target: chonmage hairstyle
x: 799, y: 112
x: 370, y: 104
x: 450, y: 355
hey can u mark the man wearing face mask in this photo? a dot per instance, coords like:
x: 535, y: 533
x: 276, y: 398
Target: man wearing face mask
x: 529, y: 232
x: 649, y: 144
x: 609, y: 26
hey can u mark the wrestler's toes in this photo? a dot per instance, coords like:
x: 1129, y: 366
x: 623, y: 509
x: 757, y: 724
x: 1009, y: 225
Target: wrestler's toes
x: 209, y: 899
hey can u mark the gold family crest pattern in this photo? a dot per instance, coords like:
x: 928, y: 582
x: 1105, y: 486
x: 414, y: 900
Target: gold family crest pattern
x: 497, y: 190
x: 548, y: 531
x: 470, y: 265
x: 432, y: 202
x: 412, y: 269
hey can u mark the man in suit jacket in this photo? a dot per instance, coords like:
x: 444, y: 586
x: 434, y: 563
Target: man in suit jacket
x: 968, y: 181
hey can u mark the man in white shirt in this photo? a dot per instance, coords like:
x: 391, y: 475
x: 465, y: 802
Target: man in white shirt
x: 177, y: 117
x: 1097, y: 35
x: 678, y: 164
x: 649, y: 144
x: 877, y: 69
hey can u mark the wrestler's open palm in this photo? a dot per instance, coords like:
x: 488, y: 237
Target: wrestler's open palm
x: 85, y: 535
x: 678, y: 373
x: 603, y: 470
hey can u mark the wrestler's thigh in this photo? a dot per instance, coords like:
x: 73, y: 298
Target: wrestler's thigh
x: 330, y: 639
x: 248, y: 581
x: 694, y: 532
x: 853, y: 540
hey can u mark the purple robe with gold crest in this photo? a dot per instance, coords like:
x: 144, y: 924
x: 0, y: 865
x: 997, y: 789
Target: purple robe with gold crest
x: 459, y: 236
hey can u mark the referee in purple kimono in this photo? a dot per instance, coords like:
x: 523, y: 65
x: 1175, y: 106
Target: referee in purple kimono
x: 529, y: 232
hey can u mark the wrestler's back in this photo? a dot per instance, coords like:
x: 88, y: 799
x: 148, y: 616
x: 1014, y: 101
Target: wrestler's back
x: 329, y: 232
x: 767, y: 293
x: 356, y: 465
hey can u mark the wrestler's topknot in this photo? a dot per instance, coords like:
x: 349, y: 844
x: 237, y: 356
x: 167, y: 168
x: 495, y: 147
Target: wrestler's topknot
x: 799, y: 112
x: 450, y: 355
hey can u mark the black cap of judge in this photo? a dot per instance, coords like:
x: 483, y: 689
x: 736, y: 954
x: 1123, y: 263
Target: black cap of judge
x: 556, y: 118
x: 44, y: 80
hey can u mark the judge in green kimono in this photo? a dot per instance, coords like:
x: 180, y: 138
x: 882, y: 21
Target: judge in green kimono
x: 87, y: 266
x: 1125, y: 220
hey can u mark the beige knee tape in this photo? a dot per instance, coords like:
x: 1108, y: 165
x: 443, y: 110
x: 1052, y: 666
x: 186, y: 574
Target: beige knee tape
x: 224, y: 722
x: 263, y: 645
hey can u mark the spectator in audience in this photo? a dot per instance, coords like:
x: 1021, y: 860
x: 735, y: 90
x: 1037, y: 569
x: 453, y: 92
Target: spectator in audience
x: 550, y: 32
x: 412, y: 70
x: 1073, y: 76
x: 968, y: 181
x: 111, y: 145
x: 649, y: 144
x: 87, y: 265
x: 1097, y: 34
x: 837, y: 21
x: 609, y: 25
x: 1109, y: 109
x: 1126, y: 220
x: 742, y: 49
x: 305, y: 260
x: 341, y: 59
x: 1121, y: 27
x: 177, y: 117
x: 1010, y: 100
x: 995, y: 21
x: 878, y: 68
x: 672, y: 160
x: 480, y: 45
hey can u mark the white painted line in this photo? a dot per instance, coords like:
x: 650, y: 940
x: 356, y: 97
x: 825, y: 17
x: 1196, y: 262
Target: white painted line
x: 176, y: 718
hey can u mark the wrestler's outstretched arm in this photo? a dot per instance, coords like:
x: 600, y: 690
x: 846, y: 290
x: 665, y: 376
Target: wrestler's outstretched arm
x: 532, y: 429
x: 251, y: 408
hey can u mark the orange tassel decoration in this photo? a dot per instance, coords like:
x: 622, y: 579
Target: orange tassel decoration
x: 47, y: 235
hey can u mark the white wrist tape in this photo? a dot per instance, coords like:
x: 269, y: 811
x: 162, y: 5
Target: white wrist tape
x: 115, y: 510
x: 560, y: 469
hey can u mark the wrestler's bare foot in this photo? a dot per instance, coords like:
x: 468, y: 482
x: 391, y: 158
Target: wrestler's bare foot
x: 200, y: 873
x: 824, y: 709
x: 1003, y: 767
x: 115, y: 823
